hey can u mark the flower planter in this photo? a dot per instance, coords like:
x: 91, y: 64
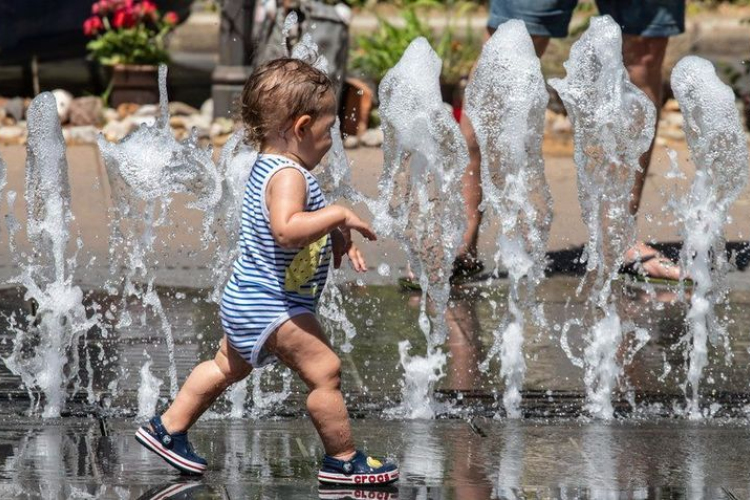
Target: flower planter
x: 134, y: 83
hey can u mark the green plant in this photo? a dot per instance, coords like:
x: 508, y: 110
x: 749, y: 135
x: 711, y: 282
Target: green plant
x: 378, y: 52
x: 734, y: 74
x: 128, y: 32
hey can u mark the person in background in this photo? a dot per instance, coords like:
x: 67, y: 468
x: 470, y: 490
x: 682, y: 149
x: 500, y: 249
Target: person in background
x: 646, y: 26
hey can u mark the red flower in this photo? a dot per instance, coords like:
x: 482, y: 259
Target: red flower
x: 124, y: 18
x: 92, y: 25
x: 147, y: 7
x: 102, y: 7
x: 171, y: 18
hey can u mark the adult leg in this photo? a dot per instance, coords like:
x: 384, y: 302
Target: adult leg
x: 204, y: 384
x: 471, y: 186
x: 643, y: 57
x: 301, y: 345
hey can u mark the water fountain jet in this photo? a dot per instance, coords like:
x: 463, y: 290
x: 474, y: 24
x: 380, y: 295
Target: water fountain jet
x: 506, y: 101
x: 420, y: 202
x: 718, y: 147
x: 613, y: 125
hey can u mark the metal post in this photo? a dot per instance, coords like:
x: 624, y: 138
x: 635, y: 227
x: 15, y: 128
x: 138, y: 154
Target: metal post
x: 235, y: 54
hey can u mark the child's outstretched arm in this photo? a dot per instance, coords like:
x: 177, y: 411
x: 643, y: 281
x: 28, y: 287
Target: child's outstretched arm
x: 291, y: 226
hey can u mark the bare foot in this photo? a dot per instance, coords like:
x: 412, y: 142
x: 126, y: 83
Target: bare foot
x: 650, y: 263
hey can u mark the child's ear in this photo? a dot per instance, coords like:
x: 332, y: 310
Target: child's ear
x: 302, y: 126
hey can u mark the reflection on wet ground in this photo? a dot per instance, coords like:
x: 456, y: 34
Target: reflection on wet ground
x: 440, y: 460
x: 382, y: 316
x: 467, y: 454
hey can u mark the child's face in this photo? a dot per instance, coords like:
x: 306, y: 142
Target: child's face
x: 317, y: 139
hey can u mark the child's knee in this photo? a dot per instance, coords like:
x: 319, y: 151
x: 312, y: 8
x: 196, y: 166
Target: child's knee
x: 327, y: 373
x: 233, y: 369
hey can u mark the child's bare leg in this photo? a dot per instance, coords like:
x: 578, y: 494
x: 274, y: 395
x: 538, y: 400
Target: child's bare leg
x: 204, y: 384
x: 300, y: 344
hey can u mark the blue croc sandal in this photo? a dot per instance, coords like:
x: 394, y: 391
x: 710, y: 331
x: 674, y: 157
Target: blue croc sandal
x: 175, y: 448
x: 361, y: 470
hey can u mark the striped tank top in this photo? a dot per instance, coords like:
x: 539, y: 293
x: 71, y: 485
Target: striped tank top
x: 295, y: 276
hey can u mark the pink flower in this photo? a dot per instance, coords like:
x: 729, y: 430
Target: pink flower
x: 92, y: 25
x: 171, y: 18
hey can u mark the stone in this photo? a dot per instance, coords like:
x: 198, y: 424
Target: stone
x: 220, y: 140
x: 179, y: 121
x: 13, y: 134
x: 373, y: 138
x: 116, y: 130
x: 64, y: 100
x: 86, y: 111
x: 351, y: 142
x: 221, y: 126
x: 85, y: 134
x: 178, y: 108
x: 207, y: 109
x: 143, y: 120
x: 202, y: 125
x: 126, y: 109
x: 110, y: 115
x: 15, y: 108
x: 147, y: 110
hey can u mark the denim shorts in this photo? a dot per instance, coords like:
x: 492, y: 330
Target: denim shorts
x: 550, y: 18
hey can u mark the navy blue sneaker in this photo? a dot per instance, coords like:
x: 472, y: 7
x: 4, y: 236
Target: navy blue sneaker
x: 174, y: 448
x: 360, y: 470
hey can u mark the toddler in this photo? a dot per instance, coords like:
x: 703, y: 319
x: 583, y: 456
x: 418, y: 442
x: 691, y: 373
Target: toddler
x: 287, y: 237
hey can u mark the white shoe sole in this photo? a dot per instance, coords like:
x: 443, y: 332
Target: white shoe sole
x: 176, y: 461
x: 358, y: 479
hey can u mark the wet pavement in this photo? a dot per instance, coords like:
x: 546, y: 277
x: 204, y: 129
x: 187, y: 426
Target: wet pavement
x: 268, y: 448
x: 439, y: 460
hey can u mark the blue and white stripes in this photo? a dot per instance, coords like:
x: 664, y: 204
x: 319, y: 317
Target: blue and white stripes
x: 271, y: 284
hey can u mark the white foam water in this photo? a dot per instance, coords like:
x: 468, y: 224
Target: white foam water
x: 613, y: 125
x: 146, y: 169
x: 420, y: 202
x: 718, y: 148
x: 336, y: 183
x: 148, y: 392
x: 235, y: 163
x: 45, y: 351
x: 506, y: 101
x: 3, y: 176
x: 237, y: 395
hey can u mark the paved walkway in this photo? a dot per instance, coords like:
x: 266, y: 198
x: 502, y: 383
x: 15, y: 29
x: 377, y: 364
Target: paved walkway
x: 184, y: 264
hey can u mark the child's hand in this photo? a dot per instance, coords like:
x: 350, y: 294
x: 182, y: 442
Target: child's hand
x: 341, y: 242
x: 353, y: 222
x: 355, y: 256
x: 342, y: 245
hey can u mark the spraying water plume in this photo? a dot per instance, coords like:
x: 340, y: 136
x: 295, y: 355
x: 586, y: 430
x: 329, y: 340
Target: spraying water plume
x: 146, y: 169
x: 45, y: 353
x: 613, y: 124
x: 718, y: 147
x: 420, y: 202
x: 506, y: 101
